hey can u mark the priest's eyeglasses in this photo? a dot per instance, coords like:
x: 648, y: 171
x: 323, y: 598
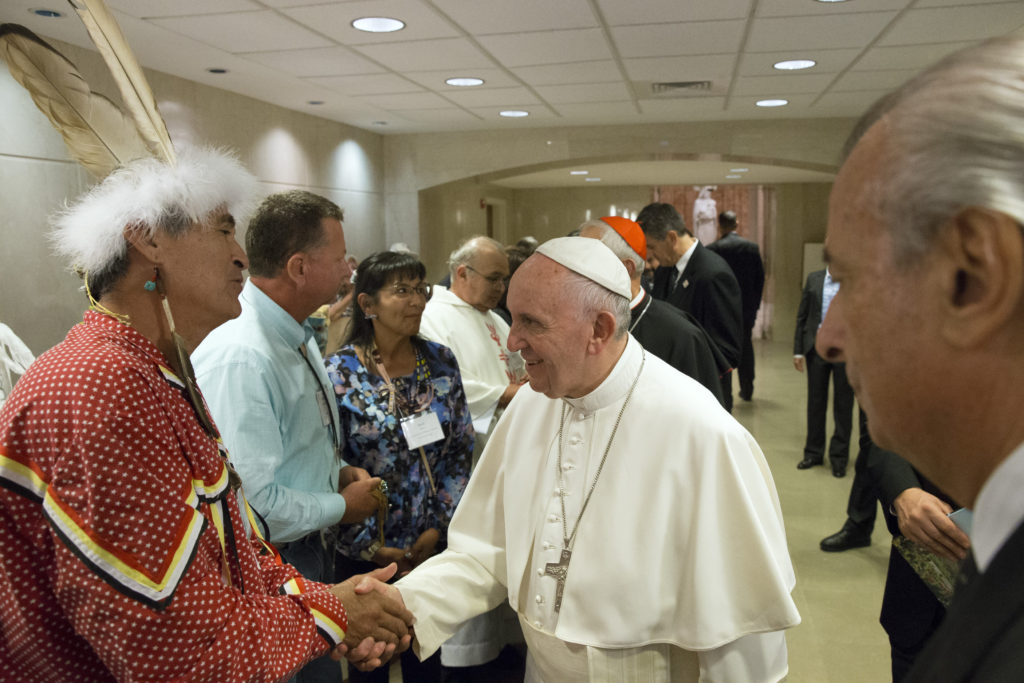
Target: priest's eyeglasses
x: 403, y: 291
x: 491, y: 279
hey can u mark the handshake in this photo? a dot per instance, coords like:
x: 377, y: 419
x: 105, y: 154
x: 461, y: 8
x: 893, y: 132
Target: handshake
x: 379, y: 625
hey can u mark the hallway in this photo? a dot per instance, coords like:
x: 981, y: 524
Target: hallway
x: 839, y: 595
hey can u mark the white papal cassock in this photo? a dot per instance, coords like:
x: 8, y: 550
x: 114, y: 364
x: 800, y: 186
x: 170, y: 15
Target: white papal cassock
x: 679, y: 569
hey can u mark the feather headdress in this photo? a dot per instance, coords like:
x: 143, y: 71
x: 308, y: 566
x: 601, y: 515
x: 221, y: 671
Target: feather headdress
x: 144, y: 185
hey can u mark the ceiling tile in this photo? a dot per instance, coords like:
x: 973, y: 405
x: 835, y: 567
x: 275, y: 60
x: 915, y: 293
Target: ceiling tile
x: 492, y: 115
x: 618, y: 13
x: 906, y: 56
x: 591, y: 92
x: 694, y: 38
x: 502, y: 16
x: 817, y: 32
x: 322, y: 61
x: 398, y: 102
x: 450, y: 115
x: 375, y: 84
x: 683, y: 107
x: 335, y: 20
x: 828, y: 61
x: 800, y: 8
x: 576, y: 72
x: 149, y: 9
x: 781, y: 86
x: 263, y: 31
x: 493, y: 97
x: 976, y: 22
x: 688, y: 68
x: 428, y: 55
x: 872, y: 80
x: 435, y: 80
x: 549, y: 47
x: 598, y: 112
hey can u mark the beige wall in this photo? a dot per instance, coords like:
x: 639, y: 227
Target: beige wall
x: 801, y: 216
x: 40, y: 300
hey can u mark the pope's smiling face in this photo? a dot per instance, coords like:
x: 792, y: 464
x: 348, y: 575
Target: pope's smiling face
x: 551, y: 338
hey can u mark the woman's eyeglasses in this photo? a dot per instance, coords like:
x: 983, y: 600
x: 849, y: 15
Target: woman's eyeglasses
x: 403, y: 291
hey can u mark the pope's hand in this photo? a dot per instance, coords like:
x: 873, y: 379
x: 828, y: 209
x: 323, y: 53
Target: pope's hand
x: 378, y: 622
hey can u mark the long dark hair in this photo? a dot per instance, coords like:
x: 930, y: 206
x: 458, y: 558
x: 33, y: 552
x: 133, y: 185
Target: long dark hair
x: 372, y: 275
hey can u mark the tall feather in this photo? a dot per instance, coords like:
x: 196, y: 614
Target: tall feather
x: 98, y: 134
x: 131, y: 81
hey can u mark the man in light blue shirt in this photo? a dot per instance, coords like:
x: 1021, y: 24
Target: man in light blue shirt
x: 268, y: 392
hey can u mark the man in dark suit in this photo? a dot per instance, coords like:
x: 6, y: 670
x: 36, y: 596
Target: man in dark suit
x: 925, y: 233
x: 696, y: 281
x: 744, y: 257
x: 818, y: 292
x: 670, y: 334
x: 916, y: 509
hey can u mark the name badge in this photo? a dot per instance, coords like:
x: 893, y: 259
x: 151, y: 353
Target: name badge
x: 421, y: 429
x: 325, y: 410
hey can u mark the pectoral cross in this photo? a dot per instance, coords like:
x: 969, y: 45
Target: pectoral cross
x: 559, y: 570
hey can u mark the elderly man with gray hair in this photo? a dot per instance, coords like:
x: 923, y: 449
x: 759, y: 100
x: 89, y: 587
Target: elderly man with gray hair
x: 462, y: 319
x: 925, y: 234
x: 679, y: 570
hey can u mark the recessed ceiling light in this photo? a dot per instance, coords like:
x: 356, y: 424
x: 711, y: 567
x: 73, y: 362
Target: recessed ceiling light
x: 578, y: 172
x: 315, y: 102
x: 831, y: 0
x: 515, y: 113
x: 738, y: 170
x: 378, y: 24
x: 733, y: 176
x: 48, y: 13
x: 217, y: 70
x: 380, y: 123
x: 465, y: 82
x: 794, y: 64
x: 772, y: 103
x: 593, y: 180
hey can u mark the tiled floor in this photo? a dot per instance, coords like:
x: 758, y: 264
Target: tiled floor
x: 838, y: 594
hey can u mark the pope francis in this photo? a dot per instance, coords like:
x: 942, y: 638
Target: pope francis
x: 631, y: 522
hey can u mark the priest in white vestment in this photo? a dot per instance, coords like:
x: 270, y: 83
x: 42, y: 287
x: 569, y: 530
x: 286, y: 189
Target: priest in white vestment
x: 462, y: 318
x: 631, y: 522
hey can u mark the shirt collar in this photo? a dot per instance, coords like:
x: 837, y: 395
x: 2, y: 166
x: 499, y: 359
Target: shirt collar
x: 274, y: 317
x: 616, y: 385
x: 638, y: 299
x: 685, y: 258
x: 999, y: 509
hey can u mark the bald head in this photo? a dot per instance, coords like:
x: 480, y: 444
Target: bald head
x: 479, y: 272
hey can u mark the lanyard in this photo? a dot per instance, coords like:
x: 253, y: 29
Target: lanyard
x: 422, y: 373
x: 326, y: 399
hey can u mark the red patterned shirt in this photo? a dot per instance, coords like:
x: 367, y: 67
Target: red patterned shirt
x: 123, y: 551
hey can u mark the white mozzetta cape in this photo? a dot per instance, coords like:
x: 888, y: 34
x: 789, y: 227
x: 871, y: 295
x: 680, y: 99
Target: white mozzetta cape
x: 478, y: 341
x: 682, y: 543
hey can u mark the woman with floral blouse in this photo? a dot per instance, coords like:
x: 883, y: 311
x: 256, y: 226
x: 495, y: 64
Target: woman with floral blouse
x: 405, y: 419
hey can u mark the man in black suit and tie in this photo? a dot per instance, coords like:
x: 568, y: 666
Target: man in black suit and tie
x: 697, y: 281
x: 926, y: 235
x: 818, y: 293
x: 744, y: 257
x: 915, y: 509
